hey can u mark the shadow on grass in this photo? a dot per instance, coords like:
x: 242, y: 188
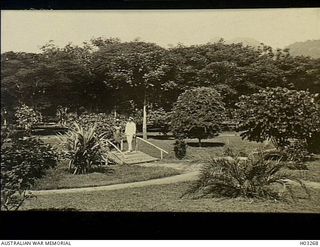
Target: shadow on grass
x: 103, y: 169
x: 162, y: 137
x: 53, y: 209
x: 206, y: 144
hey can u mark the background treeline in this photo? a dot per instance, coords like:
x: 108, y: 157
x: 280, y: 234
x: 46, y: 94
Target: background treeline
x: 104, y: 75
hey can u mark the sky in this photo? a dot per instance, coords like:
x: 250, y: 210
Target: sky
x: 28, y: 30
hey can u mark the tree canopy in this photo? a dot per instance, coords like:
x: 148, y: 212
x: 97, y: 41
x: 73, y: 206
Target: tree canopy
x: 107, y: 74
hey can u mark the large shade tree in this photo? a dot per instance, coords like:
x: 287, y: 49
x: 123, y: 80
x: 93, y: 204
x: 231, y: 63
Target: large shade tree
x: 44, y: 81
x: 232, y: 69
x: 136, y: 71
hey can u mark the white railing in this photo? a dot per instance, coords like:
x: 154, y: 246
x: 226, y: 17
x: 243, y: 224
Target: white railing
x: 151, y: 144
x: 118, y: 150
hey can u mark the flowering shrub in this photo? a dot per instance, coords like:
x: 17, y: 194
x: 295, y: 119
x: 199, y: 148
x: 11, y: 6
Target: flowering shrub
x: 26, y: 118
x: 22, y: 162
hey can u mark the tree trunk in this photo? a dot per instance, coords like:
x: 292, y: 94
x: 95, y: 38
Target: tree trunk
x: 115, y: 112
x: 199, y: 142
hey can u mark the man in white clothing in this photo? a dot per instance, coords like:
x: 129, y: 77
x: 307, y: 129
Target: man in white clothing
x: 130, y: 132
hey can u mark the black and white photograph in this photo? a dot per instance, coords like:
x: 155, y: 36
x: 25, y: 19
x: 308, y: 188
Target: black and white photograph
x: 214, y: 111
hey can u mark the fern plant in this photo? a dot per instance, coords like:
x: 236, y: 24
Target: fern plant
x: 250, y: 178
x: 83, y: 148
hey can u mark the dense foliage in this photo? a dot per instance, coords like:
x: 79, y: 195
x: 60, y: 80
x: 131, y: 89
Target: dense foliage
x: 22, y: 162
x: 84, y: 149
x: 106, y: 74
x: 160, y: 119
x: 296, y: 154
x: 279, y: 114
x: 198, y: 113
x: 252, y: 178
x: 104, y: 122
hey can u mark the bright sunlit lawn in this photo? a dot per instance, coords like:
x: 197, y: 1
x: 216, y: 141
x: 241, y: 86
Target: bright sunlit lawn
x: 210, y: 147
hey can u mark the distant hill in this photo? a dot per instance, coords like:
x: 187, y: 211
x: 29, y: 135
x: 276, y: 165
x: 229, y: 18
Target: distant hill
x: 245, y: 41
x: 307, y: 48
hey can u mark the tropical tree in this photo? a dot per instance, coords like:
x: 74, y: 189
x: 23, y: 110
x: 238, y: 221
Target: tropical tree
x: 135, y: 71
x: 232, y: 69
x: 107, y: 74
x: 198, y: 113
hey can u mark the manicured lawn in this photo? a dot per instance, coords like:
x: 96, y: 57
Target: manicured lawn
x: 210, y: 147
x: 59, y: 177
x: 160, y: 198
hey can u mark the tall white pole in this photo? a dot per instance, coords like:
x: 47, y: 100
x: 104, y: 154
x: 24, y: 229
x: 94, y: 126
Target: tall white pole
x: 144, y: 122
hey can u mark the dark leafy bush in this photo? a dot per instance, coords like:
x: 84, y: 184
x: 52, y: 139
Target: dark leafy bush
x: 84, y: 148
x: 62, y: 115
x: 296, y: 154
x: 22, y: 162
x: 279, y: 114
x: 313, y: 143
x: 251, y: 178
x: 180, y: 148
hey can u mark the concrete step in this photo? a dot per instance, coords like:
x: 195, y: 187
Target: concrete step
x: 132, y: 162
x: 135, y: 157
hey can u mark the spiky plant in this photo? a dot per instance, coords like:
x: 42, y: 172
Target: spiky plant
x: 254, y: 177
x: 83, y: 148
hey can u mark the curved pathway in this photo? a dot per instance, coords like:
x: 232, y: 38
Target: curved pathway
x: 190, y: 176
x: 190, y: 172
